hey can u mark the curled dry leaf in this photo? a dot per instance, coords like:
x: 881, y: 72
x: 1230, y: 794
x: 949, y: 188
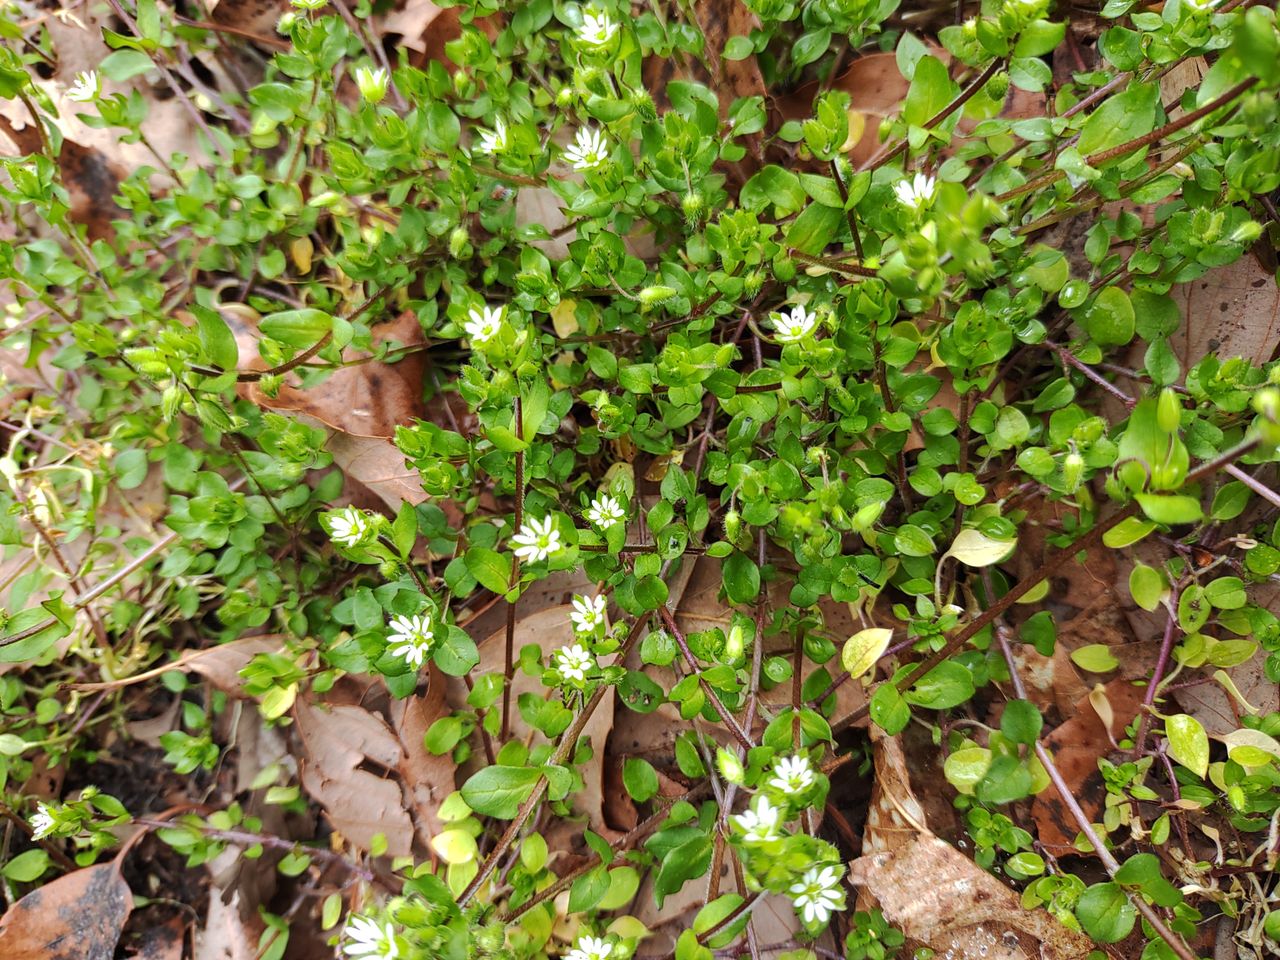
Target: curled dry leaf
x: 934, y: 893
x: 76, y: 917
x: 343, y: 746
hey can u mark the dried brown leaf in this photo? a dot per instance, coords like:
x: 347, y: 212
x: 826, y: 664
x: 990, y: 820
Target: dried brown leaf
x: 340, y: 744
x: 364, y: 399
x: 1076, y: 747
x: 934, y: 893
x: 427, y: 778
x: 76, y: 917
x: 1231, y: 311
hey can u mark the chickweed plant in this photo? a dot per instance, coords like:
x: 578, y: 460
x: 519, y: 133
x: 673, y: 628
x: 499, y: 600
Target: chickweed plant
x: 847, y: 385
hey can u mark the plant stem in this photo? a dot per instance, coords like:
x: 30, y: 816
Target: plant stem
x: 1114, y: 153
x: 508, y: 652
x: 729, y: 720
x: 566, y: 745
x: 1162, y: 662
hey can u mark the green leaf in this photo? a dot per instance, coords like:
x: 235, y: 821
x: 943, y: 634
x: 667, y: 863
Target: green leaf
x: 498, y: 791
x: 1188, y: 742
x: 456, y: 653
x: 491, y: 569
x: 931, y: 90
x: 973, y: 548
x: 773, y: 185
x: 1094, y: 657
x: 588, y: 889
x: 1105, y: 913
x: 864, y: 648
x: 124, y: 65
x: 216, y: 338
x: 889, y: 710
x: 297, y: 328
x: 1110, y: 320
x: 815, y: 228
x: 27, y: 866
x: 38, y: 643
x: 1146, y: 586
x: 1127, y: 531
x: 1021, y: 721
x: 738, y: 48
x: 1226, y: 593
x: 1121, y: 118
x: 946, y: 685
x: 741, y: 578
x: 640, y: 779
x: 1170, y: 508
x: 966, y: 768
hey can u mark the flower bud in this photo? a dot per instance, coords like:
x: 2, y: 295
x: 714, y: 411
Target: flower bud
x: 735, y: 644
x: 998, y: 85
x: 170, y: 400
x: 652, y: 296
x: 730, y: 766
x: 459, y: 239
x: 1072, y: 471
x: 752, y: 283
x: 732, y: 525
x: 693, y: 204
x: 372, y: 83
x: 1168, y: 411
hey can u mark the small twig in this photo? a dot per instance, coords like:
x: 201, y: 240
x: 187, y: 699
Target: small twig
x: 1109, y: 862
x: 1261, y: 489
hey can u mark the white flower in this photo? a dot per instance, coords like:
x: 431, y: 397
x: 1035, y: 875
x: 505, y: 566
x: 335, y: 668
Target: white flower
x: 597, y: 29
x: 817, y: 894
x: 590, y: 948
x: 1200, y: 5
x: 349, y: 527
x: 792, y: 775
x: 372, y: 83
x: 605, y: 512
x: 410, y: 638
x: 310, y: 4
x: 86, y: 87
x: 42, y: 821
x: 537, y: 540
x: 574, y: 662
x: 588, y: 614
x: 495, y: 140
x: 790, y: 328
x: 589, y: 150
x: 916, y: 192
x: 761, y: 823
x: 483, y: 325
x: 369, y: 940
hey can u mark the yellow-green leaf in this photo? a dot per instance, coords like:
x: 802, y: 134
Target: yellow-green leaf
x: 1095, y: 657
x: 864, y: 648
x: 975, y: 549
x: 1188, y: 743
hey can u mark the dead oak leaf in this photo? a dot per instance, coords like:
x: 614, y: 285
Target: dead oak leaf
x: 76, y: 917
x: 342, y: 746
